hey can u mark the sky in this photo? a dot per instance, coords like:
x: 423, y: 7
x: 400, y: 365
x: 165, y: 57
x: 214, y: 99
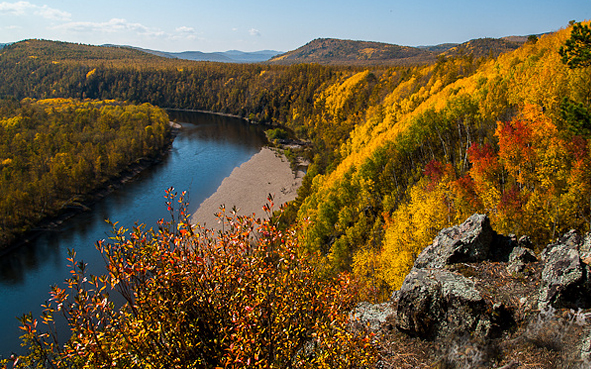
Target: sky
x: 221, y: 25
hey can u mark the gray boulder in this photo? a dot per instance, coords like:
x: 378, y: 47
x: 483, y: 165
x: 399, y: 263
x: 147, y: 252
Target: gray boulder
x: 565, y: 278
x: 585, y: 249
x: 435, y: 301
x: 519, y: 258
x: 469, y: 242
x: 438, y: 302
x: 368, y: 316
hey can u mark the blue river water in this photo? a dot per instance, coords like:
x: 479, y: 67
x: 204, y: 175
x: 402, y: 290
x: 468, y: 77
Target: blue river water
x: 206, y: 151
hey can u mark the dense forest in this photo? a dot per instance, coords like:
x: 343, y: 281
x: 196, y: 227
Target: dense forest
x: 509, y: 139
x: 55, y: 152
x: 399, y: 153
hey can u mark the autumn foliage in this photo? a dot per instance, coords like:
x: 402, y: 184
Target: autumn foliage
x: 399, y: 154
x: 54, y: 153
x: 243, y: 298
x: 509, y: 138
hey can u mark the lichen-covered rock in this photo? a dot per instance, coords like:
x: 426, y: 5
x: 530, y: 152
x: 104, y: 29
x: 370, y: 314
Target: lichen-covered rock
x: 519, y: 258
x: 371, y: 316
x: 459, y: 289
x: 523, y: 255
x: 468, y: 242
x: 436, y: 302
x: 525, y: 242
x: 585, y: 351
x: 565, y: 281
x: 585, y: 249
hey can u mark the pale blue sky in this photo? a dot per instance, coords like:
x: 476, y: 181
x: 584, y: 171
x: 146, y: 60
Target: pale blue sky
x: 210, y: 25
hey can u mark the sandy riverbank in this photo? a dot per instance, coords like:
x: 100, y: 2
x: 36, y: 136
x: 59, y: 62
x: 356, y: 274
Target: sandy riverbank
x: 247, y: 187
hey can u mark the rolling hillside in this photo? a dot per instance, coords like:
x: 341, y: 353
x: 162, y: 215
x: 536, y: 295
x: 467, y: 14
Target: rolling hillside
x: 57, y: 51
x: 330, y: 51
x: 334, y: 51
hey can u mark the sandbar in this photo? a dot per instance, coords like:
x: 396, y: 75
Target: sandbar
x: 248, y: 186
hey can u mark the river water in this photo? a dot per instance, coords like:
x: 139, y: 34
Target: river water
x: 206, y: 151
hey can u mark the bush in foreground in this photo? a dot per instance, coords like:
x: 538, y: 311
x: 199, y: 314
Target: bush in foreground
x: 242, y: 298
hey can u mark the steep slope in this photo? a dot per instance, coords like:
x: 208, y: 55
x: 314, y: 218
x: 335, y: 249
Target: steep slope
x: 401, y: 151
x: 431, y: 153
x: 484, y: 47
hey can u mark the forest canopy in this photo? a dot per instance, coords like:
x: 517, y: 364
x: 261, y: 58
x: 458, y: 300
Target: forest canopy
x: 54, y: 152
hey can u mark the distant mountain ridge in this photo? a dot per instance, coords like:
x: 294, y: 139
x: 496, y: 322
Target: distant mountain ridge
x: 332, y: 51
x: 230, y: 56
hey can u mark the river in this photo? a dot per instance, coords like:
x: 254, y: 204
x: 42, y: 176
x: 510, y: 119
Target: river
x: 206, y: 150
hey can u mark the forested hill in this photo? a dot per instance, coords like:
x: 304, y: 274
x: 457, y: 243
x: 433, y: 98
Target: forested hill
x: 332, y: 51
x: 400, y: 152
x: 56, y: 52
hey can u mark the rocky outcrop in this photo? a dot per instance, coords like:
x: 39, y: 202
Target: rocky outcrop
x: 372, y: 316
x: 468, y: 242
x: 520, y: 257
x: 566, y: 279
x: 435, y: 301
x: 471, y: 285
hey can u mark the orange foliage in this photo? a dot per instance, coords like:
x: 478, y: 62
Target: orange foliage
x: 245, y: 298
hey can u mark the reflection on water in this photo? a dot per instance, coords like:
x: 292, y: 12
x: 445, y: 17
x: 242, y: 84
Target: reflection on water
x: 15, y: 265
x: 206, y: 151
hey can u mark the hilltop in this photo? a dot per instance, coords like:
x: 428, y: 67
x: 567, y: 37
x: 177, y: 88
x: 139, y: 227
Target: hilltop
x: 58, y: 51
x: 334, y: 51
x: 331, y: 51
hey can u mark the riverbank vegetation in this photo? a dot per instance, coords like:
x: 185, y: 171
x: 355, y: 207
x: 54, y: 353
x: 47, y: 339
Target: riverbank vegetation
x: 55, y: 152
x: 399, y: 153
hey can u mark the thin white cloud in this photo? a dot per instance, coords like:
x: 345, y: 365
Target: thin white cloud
x: 185, y: 29
x: 185, y: 32
x: 54, y: 14
x: 24, y: 8
x: 254, y: 32
x: 118, y: 25
x: 19, y: 8
x: 112, y: 26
